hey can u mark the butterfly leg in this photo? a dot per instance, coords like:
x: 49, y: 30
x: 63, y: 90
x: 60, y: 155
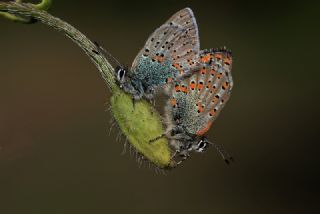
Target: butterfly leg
x: 158, y: 137
x: 172, y: 134
x: 148, y: 94
x: 135, y: 98
x: 174, y: 154
x: 184, y: 156
x: 152, y: 102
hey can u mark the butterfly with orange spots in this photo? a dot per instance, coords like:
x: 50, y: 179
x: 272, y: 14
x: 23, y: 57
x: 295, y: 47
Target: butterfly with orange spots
x: 196, y: 102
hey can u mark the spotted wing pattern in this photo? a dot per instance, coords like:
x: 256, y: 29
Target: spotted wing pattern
x: 171, y: 51
x: 196, y: 101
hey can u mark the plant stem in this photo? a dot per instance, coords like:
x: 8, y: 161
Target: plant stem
x: 29, y: 10
x: 43, y: 5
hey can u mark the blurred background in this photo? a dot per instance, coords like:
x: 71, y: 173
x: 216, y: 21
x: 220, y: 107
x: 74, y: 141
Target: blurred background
x: 56, y: 154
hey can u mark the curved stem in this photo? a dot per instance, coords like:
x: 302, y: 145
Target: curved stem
x: 29, y: 10
x: 43, y: 5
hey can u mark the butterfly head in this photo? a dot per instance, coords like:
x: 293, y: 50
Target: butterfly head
x: 200, y: 145
x: 121, y: 75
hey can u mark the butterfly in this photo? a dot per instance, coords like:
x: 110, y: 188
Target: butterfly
x: 195, y: 103
x: 170, y: 54
x: 199, y: 82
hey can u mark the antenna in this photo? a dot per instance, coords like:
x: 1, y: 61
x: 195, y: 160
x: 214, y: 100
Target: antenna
x: 109, y: 55
x: 225, y: 156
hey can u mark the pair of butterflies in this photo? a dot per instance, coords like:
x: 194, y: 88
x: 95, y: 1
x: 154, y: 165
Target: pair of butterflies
x: 199, y: 82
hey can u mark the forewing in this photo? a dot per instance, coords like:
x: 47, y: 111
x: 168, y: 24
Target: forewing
x: 185, y: 19
x: 176, y: 43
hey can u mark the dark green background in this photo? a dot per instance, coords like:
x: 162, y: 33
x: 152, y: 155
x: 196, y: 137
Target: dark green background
x: 56, y: 155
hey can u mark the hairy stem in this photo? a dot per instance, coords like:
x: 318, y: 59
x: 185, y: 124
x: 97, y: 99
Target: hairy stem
x: 28, y: 10
x: 43, y: 5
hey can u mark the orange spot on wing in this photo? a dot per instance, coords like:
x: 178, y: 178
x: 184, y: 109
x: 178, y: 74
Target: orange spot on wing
x: 225, y: 85
x: 204, y: 129
x: 184, y: 89
x: 214, y: 89
x: 200, y: 86
x: 200, y: 107
x: 178, y: 67
x: 215, y: 99
x: 205, y: 58
x: 227, y: 61
x: 158, y: 58
x: 212, y: 112
x: 219, y: 75
x: 192, y: 85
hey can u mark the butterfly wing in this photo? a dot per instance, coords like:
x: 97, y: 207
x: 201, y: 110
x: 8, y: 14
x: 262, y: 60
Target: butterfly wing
x: 197, y: 101
x: 171, y: 51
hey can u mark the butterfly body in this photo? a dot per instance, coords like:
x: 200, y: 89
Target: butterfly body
x: 144, y: 84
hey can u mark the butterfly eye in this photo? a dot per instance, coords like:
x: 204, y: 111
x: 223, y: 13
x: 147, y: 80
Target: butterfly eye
x: 202, y: 144
x: 121, y: 74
